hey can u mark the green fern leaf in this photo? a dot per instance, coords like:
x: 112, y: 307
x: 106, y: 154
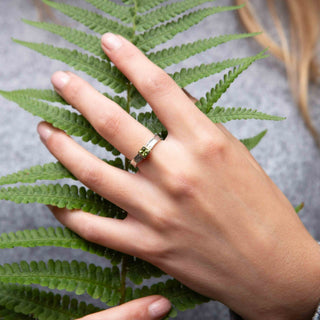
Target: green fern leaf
x: 73, y: 123
x: 81, y: 39
x: 163, y: 33
x: 92, y: 20
x: 120, y: 12
x: 165, y: 13
x: 181, y: 297
x: 45, y: 95
x: 139, y: 270
x: 185, y: 77
x: 6, y: 314
x: 49, y: 171
x: 75, y: 277
x: 205, y: 104
x: 65, y: 196
x: 31, y: 303
x: 173, y: 55
x: 57, y: 237
x: 220, y: 114
x: 252, y: 142
x: 150, y: 121
x: 136, y: 99
x: 94, y: 67
x: 145, y: 5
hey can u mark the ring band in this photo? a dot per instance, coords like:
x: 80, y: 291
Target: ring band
x: 145, y: 150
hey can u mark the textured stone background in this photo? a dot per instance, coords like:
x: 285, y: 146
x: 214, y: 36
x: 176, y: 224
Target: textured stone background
x: 288, y: 153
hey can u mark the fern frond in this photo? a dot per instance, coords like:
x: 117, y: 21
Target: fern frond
x: 205, y: 104
x: 45, y: 95
x: 145, y: 5
x: 82, y: 39
x: 115, y: 10
x: 165, y: 13
x: 220, y: 114
x: 184, y: 77
x: 94, y: 67
x: 90, y: 19
x: 139, y: 270
x: 70, y: 197
x: 71, y: 122
x: 57, y: 237
x: 75, y: 277
x: 49, y: 171
x: 137, y: 101
x: 250, y: 143
x: 163, y: 33
x: 31, y: 303
x: 173, y: 55
x: 150, y: 121
x: 181, y: 297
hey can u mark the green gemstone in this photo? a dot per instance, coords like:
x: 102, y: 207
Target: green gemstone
x: 144, y: 152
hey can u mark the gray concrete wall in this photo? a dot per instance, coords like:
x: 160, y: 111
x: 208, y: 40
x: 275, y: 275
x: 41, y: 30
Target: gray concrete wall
x: 288, y: 153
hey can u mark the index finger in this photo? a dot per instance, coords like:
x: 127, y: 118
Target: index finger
x: 165, y: 97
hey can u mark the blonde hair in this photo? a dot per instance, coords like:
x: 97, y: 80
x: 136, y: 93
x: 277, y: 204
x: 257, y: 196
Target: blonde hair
x: 298, y: 52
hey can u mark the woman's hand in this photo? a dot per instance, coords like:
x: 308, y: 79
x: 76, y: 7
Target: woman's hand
x: 148, y: 308
x: 200, y: 207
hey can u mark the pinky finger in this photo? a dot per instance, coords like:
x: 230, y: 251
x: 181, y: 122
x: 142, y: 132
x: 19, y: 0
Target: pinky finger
x: 112, y: 233
x: 148, y: 308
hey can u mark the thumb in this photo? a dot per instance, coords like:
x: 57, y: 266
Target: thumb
x: 147, y: 308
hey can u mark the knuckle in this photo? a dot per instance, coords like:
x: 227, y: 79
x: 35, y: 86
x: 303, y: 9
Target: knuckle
x: 108, y: 124
x: 158, y: 81
x: 210, y: 146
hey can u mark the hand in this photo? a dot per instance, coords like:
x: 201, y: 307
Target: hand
x: 211, y: 216
x: 148, y: 308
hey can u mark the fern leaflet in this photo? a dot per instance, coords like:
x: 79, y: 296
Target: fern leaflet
x: 165, y: 13
x: 187, y: 76
x: 45, y: 95
x: 6, y: 314
x: 220, y: 114
x: 81, y: 39
x: 94, y: 67
x: 250, y: 143
x: 221, y: 87
x: 145, y: 5
x: 31, y: 303
x: 75, y: 277
x: 92, y: 20
x: 120, y: 12
x: 70, y: 197
x: 73, y: 123
x: 163, y: 33
x: 173, y: 55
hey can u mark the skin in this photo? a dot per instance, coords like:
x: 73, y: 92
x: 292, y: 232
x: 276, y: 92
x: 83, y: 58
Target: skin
x: 212, y: 217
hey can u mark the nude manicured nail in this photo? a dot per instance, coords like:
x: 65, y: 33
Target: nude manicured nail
x: 159, y: 308
x: 111, y: 41
x: 44, y: 131
x: 60, y: 79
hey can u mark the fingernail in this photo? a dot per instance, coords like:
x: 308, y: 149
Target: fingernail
x: 44, y: 131
x: 159, y: 308
x: 111, y: 41
x: 60, y: 79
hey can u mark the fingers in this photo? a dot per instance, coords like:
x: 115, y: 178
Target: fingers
x: 116, y: 185
x: 112, y: 233
x: 165, y: 97
x: 148, y: 308
x: 110, y: 120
